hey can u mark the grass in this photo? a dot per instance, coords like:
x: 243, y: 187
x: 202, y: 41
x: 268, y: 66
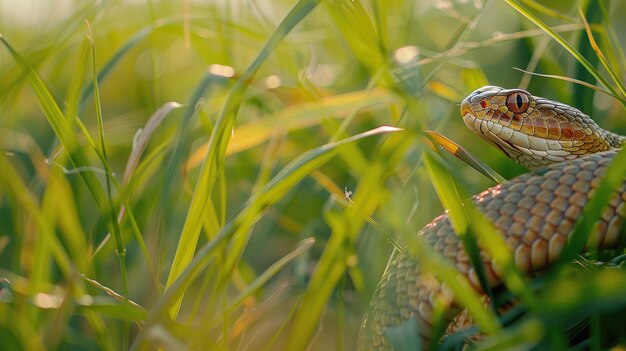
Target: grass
x: 234, y: 175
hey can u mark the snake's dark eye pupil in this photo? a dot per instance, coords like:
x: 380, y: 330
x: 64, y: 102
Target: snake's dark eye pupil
x: 517, y: 102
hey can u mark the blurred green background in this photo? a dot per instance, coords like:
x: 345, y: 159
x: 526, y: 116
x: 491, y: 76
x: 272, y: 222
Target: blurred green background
x: 346, y: 67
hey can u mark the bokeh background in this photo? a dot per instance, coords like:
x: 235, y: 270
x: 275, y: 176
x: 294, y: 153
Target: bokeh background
x: 345, y: 68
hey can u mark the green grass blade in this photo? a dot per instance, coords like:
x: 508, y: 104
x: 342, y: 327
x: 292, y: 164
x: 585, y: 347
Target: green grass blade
x: 600, y: 56
x: 299, y: 116
x: 466, y: 218
x: 120, y: 249
x: 465, y: 156
x: 559, y: 39
x: 11, y: 181
x: 618, y: 55
x: 363, y: 39
x: 217, y: 147
x: 333, y: 263
x: 584, y: 97
x: 61, y: 128
x: 460, y: 219
x: 118, y: 55
x: 465, y: 294
x: 275, y: 189
x: 236, y: 302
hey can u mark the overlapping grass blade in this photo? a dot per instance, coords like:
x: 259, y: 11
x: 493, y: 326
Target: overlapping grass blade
x: 120, y: 249
x: 364, y: 38
x: 57, y: 38
x: 298, y: 116
x: 275, y: 189
x: 334, y: 261
x: 452, y: 200
x: 465, y: 294
x: 462, y: 154
x: 584, y: 97
x: 600, y: 56
x: 58, y: 204
x: 469, y: 222
x: 303, y: 246
x: 133, y: 159
x: 218, y: 142
x: 618, y: 56
x: 11, y: 181
x: 559, y: 39
x: 571, y: 80
x: 119, y: 55
x: 67, y: 137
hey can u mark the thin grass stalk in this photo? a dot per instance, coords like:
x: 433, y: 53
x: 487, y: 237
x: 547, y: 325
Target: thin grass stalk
x: 218, y: 142
x: 121, y: 250
x: 559, y: 39
x: 282, y: 182
x: 601, y: 56
x: 61, y: 128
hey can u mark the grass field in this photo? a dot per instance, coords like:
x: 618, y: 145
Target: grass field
x: 235, y: 174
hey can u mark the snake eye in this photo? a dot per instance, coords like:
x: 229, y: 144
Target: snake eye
x: 517, y: 102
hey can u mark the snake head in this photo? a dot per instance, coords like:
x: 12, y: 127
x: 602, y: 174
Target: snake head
x: 532, y: 130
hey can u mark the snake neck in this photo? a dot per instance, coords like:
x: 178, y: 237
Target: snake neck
x: 615, y: 140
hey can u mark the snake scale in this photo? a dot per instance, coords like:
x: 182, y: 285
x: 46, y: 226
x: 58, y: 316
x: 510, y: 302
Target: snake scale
x: 534, y: 212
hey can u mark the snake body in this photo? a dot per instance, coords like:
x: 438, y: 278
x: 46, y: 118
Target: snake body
x: 534, y: 212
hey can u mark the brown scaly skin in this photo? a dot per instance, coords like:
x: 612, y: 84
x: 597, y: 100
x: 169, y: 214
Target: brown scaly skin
x: 534, y: 212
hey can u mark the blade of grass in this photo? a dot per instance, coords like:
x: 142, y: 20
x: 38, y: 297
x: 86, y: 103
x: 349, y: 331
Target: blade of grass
x: 275, y: 189
x: 303, y: 246
x: 464, y: 293
x: 56, y: 38
x: 296, y: 117
x: 452, y: 200
x: 571, y: 80
x: 131, y: 164
x: 539, y: 8
x: 584, y: 97
x: 363, y: 39
x: 215, y: 77
x: 600, y: 55
x: 465, y: 217
x: 218, y: 143
x: 619, y: 56
x: 119, y: 54
x: 335, y: 260
x: 559, y: 39
x: 465, y: 156
x: 462, y: 48
x: 12, y: 181
x: 61, y: 128
x: 120, y: 249
x: 58, y: 201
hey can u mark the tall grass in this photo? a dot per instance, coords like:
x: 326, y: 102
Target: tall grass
x: 234, y: 175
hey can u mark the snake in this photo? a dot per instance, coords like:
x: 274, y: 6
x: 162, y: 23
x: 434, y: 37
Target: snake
x: 567, y: 153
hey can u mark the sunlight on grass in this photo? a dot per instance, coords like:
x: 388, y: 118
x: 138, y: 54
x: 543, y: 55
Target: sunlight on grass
x: 236, y: 174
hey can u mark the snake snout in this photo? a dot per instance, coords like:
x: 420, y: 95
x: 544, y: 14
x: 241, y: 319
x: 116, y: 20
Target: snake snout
x: 472, y: 103
x: 466, y: 108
